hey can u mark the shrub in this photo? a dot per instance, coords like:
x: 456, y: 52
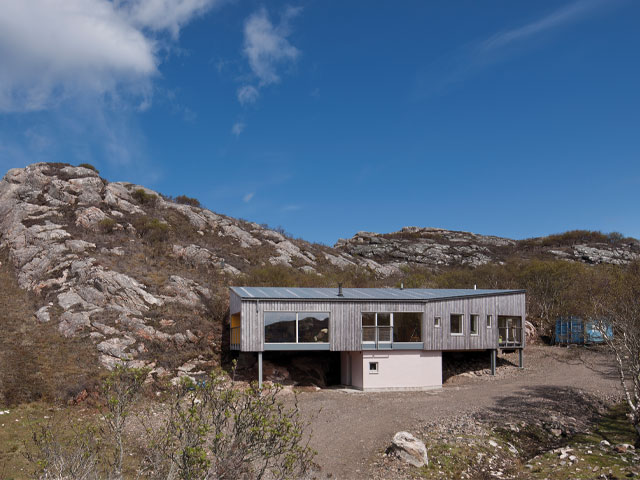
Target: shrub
x: 144, y: 198
x: 107, y: 225
x: 152, y: 230
x: 184, y: 200
x: 216, y: 430
x: 89, y: 166
x: 212, y: 429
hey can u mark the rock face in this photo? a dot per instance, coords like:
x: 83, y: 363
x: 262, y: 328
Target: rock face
x: 409, y: 449
x: 127, y: 269
x: 436, y: 247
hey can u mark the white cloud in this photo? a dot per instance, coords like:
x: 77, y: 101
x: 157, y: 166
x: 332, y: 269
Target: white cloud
x: 51, y: 50
x: 248, y: 94
x: 266, y: 45
x: 238, y: 128
x: 558, y: 18
x: 247, y: 198
x: 168, y: 15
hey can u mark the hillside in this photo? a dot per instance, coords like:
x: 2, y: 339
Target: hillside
x: 112, y: 271
x: 141, y: 277
x: 436, y: 247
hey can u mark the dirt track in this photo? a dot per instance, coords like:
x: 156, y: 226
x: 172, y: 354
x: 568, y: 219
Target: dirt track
x: 353, y: 428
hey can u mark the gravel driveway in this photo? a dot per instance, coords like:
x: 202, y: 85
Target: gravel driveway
x: 351, y: 429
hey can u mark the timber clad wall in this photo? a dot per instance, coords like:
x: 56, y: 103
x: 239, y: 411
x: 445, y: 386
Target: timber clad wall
x: 345, y: 332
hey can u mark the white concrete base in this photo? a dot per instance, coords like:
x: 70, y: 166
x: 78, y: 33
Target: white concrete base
x: 392, y: 370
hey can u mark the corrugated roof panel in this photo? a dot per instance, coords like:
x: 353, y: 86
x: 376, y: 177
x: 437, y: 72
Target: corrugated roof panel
x: 417, y: 294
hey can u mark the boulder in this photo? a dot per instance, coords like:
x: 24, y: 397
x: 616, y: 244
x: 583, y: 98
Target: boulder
x: 410, y: 449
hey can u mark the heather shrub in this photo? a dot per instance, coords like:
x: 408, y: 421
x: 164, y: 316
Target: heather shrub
x: 107, y: 225
x: 184, y: 200
x: 144, y: 198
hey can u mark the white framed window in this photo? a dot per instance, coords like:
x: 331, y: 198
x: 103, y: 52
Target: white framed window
x: 436, y: 322
x: 474, y: 324
x: 373, y: 367
x: 387, y: 327
x: 456, y: 324
x: 489, y: 321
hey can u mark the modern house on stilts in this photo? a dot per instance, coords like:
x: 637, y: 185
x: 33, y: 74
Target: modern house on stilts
x: 388, y: 339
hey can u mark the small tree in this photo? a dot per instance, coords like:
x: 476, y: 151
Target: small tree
x: 216, y: 430
x: 617, y: 306
x: 75, y: 456
x: 121, y: 390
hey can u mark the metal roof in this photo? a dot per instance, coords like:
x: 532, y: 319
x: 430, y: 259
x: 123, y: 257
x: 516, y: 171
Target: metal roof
x: 407, y: 294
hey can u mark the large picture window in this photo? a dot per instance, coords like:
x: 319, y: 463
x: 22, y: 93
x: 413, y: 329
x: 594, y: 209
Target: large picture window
x: 296, y: 327
x: 391, y: 327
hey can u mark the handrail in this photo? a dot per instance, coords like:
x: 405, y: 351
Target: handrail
x: 510, y: 336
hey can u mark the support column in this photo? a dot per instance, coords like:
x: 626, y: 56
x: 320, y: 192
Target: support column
x: 260, y: 369
x: 493, y: 361
x: 521, y: 358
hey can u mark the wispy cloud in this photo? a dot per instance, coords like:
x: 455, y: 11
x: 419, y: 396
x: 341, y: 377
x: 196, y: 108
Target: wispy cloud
x: 568, y: 14
x: 248, y: 94
x: 267, y: 48
x: 247, y: 198
x: 479, y: 55
x: 238, y: 128
x: 291, y: 208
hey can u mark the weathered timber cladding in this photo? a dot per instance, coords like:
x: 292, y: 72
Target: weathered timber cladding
x: 487, y: 338
x: 345, y: 332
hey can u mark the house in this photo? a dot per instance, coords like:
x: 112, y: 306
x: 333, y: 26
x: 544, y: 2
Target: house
x: 388, y: 339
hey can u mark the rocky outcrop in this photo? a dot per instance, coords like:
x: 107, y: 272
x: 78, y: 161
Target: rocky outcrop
x: 436, y: 247
x: 106, y: 259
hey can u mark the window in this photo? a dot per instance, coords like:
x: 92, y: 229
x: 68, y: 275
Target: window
x: 474, y: 320
x: 407, y: 327
x: 368, y: 327
x: 392, y: 327
x: 489, y: 321
x: 456, y: 324
x: 280, y: 327
x: 436, y: 322
x: 373, y: 367
x: 292, y: 327
x: 313, y: 327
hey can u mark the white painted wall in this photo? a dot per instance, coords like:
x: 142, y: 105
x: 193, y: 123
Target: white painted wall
x: 402, y: 370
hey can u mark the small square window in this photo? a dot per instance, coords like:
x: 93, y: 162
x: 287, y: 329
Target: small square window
x: 373, y: 367
x: 489, y: 321
x: 436, y: 322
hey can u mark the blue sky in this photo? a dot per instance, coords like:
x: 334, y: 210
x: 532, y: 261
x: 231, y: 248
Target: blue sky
x: 509, y: 118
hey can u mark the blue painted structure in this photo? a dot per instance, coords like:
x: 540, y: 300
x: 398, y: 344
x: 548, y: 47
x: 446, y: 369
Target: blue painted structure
x: 574, y: 330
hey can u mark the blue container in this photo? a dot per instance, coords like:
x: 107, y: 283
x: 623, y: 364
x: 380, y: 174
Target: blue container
x: 574, y: 330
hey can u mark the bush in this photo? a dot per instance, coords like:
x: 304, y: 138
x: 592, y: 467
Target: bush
x: 184, y: 200
x: 213, y: 429
x: 152, y: 230
x: 144, y: 198
x: 107, y: 225
x: 89, y: 166
x: 216, y: 430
